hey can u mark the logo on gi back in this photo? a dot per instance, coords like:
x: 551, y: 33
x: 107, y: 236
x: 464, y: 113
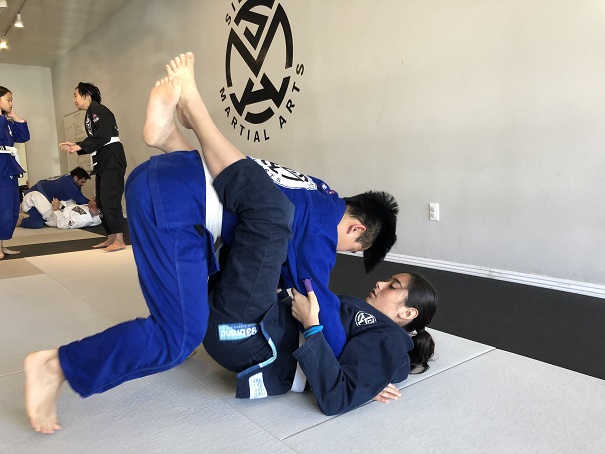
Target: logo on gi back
x: 285, y: 176
x: 260, y: 73
x: 363, y: 318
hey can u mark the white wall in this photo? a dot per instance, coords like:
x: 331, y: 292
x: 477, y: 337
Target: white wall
x: 33, y: 101
x: 493, y: 109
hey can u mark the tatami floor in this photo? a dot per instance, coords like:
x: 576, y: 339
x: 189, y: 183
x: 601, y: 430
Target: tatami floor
x: 474, y: 398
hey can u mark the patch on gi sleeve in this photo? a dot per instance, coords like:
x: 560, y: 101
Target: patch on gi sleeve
x: 363, y: 318
x: 236, y: 331
x: 257, y: 386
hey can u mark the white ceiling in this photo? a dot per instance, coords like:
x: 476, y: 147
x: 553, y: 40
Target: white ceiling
x: 51, y: 28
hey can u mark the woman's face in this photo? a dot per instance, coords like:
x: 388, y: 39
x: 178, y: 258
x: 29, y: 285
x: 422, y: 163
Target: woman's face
x: 389, y: 296
x: 6, y: 102
x: 81, y: 102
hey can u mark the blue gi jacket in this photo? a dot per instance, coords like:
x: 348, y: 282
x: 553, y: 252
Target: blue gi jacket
x: 312, y: 250
x: 11, y: 132
x: 62, y: 188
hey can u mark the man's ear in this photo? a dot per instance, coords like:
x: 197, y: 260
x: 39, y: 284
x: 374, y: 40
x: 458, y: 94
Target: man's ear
x: 407, y: 313
x: 356, y: 228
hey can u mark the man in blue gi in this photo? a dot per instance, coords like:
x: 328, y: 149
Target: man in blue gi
x: 173, y: 244
x: 66, y: 187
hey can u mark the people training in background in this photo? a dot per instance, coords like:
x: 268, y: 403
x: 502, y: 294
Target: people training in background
x: 65, y: 187
x: 63, y: 214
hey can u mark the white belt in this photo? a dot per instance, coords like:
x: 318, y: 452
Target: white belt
x: 94, y: 153
x: 10, y: 150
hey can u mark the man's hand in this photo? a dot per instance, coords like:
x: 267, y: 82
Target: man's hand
x: 305, y: 309
x: 388, y: 394
x: 56, y: 204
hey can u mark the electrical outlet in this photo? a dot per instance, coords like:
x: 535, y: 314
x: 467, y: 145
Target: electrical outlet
x: 433, y: 211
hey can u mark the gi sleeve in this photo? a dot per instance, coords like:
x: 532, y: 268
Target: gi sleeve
x: 20, y: 132
x: 368, y: 363
x: 102, y: 129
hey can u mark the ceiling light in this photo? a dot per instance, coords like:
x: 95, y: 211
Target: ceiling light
x: 3, y: 4
x: 18, y: 21
x: 3, y: 44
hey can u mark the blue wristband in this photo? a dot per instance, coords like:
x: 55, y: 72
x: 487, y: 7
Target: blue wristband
x: 312, y: 330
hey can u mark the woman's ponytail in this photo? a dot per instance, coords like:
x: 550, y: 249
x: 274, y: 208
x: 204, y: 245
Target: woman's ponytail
x: 423, y: 297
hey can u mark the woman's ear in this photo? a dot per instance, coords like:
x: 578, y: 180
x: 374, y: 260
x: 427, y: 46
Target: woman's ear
x: 407, y: 313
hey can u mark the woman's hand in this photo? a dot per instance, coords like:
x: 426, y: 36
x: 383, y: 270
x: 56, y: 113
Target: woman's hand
x: 13, y: 116
x: 305, y: 309
x: 69, y: 147
x: 388, y: 394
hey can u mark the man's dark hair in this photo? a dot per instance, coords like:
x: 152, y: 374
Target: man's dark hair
x: 377, y: 211
x: 86, y: 88
x: 80, y: 173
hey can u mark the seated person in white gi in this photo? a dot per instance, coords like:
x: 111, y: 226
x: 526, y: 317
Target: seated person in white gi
x: 61, y: 214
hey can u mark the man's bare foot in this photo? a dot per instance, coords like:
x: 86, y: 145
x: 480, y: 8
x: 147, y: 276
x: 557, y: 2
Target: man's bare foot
x: 115, y: 246
x: 160, y: 131
x: 8, y: 251
x: 20, y: 220
x: 183, y: 68
x: 43, y: 379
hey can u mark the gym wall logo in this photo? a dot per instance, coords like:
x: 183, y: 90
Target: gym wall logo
x: 363, y: 318
x: 260, y: 73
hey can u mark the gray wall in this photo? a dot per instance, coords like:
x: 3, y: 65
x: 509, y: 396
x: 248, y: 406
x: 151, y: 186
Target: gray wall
x: 493, y: 109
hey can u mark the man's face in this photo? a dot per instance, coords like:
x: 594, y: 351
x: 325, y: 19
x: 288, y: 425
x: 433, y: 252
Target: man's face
x: 80, y: 181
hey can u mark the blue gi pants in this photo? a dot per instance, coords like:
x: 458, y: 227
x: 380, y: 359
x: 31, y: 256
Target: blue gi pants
x: 34, y: 221
x: 165, y: 199
x: 9, y: 206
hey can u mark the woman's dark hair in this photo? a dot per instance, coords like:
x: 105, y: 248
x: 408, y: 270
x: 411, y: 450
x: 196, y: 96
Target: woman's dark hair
x: 3, y: 91
x: 85, y: 88
x: 423, y: 297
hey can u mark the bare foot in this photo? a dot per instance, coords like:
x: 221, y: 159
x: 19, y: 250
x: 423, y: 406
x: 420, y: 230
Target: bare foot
x: 8, y: 251
x: 160, y: 130
x: 102, y: 245
x: 20, y: 220
x: 183, y: 68
x: 43, y: 379
x: 115, y: 246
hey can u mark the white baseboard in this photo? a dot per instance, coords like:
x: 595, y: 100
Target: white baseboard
x: 564, y: 285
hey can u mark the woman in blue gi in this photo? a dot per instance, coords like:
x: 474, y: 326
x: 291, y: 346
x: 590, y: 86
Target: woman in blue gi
x: 12, y: 129
x: 173, y: 245
x: 108, y: 162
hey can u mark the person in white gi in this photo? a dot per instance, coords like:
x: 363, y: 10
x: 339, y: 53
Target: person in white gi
x: 62, y: 214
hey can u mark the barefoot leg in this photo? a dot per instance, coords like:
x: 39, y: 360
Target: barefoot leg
x: 160, y: 131
x: 218, y: 152
x: 43, y: 380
